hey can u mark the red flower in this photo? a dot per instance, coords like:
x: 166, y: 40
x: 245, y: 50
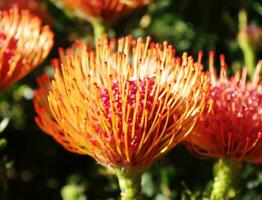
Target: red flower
x: 24, y: 44
x: 125, y: 108
x: 106, y: 11
x: 234, y: 127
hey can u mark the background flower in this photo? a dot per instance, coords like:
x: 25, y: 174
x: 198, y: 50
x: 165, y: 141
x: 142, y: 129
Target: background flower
x: 106, y: 11
x: 234, y: 127
x: 24, y: 44
x: 37, y: 7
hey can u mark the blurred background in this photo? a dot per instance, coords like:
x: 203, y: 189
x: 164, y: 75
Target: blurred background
x: 40, y: 169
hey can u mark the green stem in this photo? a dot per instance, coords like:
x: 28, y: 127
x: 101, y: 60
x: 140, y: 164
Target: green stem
x: 99, y: 29
x: 226, y: 179
x: 130, y: 184
x: 245, y: 45
x: 249, y: 56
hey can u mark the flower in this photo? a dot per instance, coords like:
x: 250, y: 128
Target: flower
x: 103, y: 10
x: 125, y: 105
x: 234, y: 127
x: 24, y: 44
x: 37, y: 7
x: 252, y: 35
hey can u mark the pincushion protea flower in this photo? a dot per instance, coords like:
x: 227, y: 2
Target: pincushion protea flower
x: 107, y: 11
x: 232, y: 131
x: 234, y: 127
x: 24, y: 44
x: 125, y: 105
x: 253, y: 35
x: 37, y: 7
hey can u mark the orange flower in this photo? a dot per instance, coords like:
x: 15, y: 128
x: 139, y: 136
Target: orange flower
x: 125, y: 107
x: 234, y: 127
x: 37, y: 7
x: 24, y: 44
x: 107, y: 11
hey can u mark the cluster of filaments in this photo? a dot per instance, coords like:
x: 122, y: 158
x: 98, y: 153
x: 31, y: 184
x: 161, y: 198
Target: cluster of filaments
x: 124, y: 104
x: 24, y: 44
x: 234, y: 127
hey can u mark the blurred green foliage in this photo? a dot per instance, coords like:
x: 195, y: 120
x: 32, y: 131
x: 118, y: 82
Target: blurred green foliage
x: 42, y: 169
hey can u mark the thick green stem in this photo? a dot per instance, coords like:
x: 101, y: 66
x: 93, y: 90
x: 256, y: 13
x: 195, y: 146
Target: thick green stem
x: 130, y: 184
x: 99, y: 29
x: 226, y: 179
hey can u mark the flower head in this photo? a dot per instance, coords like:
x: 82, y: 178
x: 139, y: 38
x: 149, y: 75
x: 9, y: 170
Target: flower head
x: 106, y: 11
x: 37, y: 7
x: 233, y: 128
x: 24, y: 44
x: 125, y: 105
x: 252, y: 35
